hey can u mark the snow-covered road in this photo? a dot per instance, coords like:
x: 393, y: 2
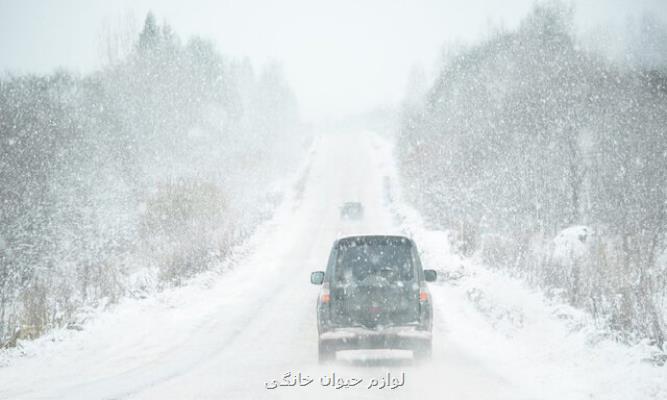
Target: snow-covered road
x: 225, y: 336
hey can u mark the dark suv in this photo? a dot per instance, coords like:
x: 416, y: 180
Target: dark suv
x: 374, y: 296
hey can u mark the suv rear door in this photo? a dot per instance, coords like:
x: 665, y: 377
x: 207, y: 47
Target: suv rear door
x: 374, y: 282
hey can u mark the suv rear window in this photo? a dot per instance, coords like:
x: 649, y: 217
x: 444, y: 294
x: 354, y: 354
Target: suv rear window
x: 361, y: 259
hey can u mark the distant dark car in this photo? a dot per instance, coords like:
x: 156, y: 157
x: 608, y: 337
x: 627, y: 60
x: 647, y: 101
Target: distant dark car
x: 374, y: 296
x: 352, y: 210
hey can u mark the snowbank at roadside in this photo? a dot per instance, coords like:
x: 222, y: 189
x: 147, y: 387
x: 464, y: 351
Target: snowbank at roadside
x: 152, y: 306
x: 548, y: 349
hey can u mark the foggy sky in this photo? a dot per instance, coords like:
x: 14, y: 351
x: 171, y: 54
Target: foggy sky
x: 340, y: 56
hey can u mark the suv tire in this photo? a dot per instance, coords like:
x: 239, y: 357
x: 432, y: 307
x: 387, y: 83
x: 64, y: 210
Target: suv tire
x: 326, y: 353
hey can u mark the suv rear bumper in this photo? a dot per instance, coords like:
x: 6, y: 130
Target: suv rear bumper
x: 400, y: 337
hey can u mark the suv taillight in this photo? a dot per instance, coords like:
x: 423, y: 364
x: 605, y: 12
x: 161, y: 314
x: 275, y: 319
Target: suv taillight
x: 423, y: 295
x: 325, y: 296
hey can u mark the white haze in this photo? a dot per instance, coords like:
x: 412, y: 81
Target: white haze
x: 340, y: 57
x: 169, y: 179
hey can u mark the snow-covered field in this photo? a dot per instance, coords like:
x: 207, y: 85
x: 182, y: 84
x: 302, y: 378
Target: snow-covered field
x: 229, y: 335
